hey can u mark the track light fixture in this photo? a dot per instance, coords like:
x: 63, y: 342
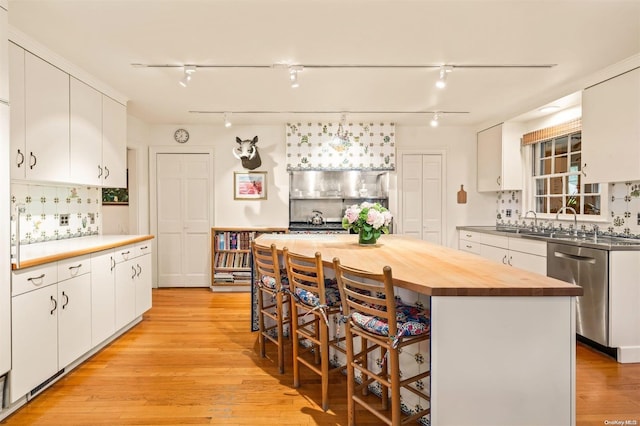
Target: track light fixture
x: 293, y: 75
x: 227, y: 120
x: 434, y: 120
x: 188, y: 71
x: 442, y: 80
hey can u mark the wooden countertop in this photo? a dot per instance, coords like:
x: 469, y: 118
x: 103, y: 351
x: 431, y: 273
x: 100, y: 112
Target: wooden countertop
x: 424, y: 267
x: 52, y: 251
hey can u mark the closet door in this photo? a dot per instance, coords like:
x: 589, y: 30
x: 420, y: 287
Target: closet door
x: 422, y: 196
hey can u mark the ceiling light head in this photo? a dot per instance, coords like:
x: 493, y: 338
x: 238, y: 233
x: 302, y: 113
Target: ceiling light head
x: 548, y: 109
x: 186, y: 78
x: 227, y: 119
x: 434, y: 120
x: 442, y: 80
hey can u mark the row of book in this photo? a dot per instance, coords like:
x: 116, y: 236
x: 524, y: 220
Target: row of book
x: 234, y: 240
x: 235, y: 277
x: 231, y: 260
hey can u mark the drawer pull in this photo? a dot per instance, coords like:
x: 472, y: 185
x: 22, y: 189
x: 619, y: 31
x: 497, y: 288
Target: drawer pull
x: 75, y: 267
x: 124, y: 253
x: 468, y: 235
x: 144, y: 248
x: 468, y: 246
x: 36, y: 278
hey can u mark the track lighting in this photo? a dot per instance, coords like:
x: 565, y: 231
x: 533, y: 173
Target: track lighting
x: 188, y: 70
x: 227, y: 121
x: 293, y: 75
x: 434, y: 120
x: 442, y: 80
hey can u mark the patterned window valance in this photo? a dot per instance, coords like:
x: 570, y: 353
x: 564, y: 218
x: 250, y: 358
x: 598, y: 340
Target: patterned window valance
x: 314, y: 146
x: 552, y: 132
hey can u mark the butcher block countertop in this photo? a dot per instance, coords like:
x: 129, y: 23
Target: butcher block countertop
x: 51, y: 251
x: 423, y: 267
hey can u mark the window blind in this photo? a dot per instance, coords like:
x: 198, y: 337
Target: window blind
x: 552, y: 132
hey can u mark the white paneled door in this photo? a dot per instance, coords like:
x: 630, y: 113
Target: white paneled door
x: 184, y: 189
x: 422, y: 196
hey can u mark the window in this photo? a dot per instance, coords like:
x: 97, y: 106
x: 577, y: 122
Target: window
x: 557, y: 180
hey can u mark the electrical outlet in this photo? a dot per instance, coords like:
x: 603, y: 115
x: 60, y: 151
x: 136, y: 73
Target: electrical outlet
x: 638, y: 218
x: 64, y: 219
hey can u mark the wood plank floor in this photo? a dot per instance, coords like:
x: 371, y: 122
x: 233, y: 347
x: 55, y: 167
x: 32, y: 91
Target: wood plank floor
x: 193, y: 361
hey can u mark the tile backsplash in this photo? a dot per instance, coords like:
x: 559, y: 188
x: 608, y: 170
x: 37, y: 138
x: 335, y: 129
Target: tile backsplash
x: 624, y: 209
x: 55, y: 212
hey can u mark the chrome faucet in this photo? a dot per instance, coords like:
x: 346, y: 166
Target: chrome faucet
x: 535, y: 219
x: 575, y: 217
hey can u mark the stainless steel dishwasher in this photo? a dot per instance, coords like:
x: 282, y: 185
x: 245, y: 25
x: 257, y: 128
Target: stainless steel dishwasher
x: 588, y: 268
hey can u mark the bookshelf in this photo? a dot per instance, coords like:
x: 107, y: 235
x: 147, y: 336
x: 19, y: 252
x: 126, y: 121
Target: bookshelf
x: 231, y: 257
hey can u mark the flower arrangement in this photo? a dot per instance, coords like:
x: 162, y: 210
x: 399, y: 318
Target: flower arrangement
x: 369, y: 220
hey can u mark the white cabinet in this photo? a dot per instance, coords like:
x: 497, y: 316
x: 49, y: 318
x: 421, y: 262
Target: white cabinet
x: 46, y: 121
x: 611, y: 130
x: 4, y: 54
x: 499, y: 158
x: 133, y: 282
x: 86, y: 134
x: 74, y: 309
x: 103, y: 296
x: 5, y: 267
x: 143, y: 278
x: 98, y: 138
x: 34, y: 323
x: 522, y: 253
x: 18, y: 156
x: 114, y: 143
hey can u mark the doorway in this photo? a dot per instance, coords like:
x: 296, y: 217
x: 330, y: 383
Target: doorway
x: 182, y: 206
x: 421, y: 193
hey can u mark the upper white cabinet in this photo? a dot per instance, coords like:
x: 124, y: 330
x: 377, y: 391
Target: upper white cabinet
x: 4, y: 66
x: 114, y: 143
x: 611, y: 129
x: 63, y: 130
x: 86, y: 134
x: 499, y: 160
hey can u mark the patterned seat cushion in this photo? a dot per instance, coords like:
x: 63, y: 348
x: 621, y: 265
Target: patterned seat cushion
x: 331, y: 294
x: 412, y: 321
x: 270, y: 282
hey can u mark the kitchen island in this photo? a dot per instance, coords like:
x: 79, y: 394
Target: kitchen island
x: 502, y: 348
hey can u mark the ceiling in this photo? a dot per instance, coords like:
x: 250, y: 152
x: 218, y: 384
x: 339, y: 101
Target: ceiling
x: 105, y: 37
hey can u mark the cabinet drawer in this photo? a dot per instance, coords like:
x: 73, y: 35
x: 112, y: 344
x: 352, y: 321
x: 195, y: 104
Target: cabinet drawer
x: 125, y: 253
x: 34, y: 278
x: 143, y: 248
x: 469, y: 246
x: 495, y: 240
x: 74, y: 267
x: 539, y: 248
x: 469, y: 235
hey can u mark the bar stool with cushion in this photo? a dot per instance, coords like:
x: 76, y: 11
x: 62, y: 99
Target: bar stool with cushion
x: 273, y: 299
x: 314, y: 301
x: 380, y: 321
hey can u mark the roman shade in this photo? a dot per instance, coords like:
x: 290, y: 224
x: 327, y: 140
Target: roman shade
x: 547, y: 133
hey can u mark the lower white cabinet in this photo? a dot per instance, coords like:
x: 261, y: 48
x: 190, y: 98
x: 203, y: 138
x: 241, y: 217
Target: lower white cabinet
x: 62, y: 310
x: 529, y: 255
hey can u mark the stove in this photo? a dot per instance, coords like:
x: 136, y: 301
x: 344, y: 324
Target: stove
x: 325, y: 228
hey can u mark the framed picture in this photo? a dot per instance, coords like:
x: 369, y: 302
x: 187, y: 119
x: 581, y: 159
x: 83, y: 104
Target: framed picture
x: 249, y: 185
x: 115, y: 196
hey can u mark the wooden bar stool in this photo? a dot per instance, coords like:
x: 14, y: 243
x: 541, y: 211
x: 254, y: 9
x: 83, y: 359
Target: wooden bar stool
x: 273, y: 299
x: 381, y: 322
x: 314, y: 301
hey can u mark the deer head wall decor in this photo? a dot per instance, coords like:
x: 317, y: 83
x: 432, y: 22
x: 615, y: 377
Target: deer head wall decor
x: 247, y: 152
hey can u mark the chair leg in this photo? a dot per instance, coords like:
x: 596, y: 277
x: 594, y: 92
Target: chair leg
x: 261, y: 339
x: 396, y: 413
x: 351, y: 378
x: 384, y: 372
x: 295, y: 344
x: 280, y: 314
x: 324, y: 363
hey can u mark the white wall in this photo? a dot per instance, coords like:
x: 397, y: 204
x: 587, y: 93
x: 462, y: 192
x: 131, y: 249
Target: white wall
x: 458, y: 143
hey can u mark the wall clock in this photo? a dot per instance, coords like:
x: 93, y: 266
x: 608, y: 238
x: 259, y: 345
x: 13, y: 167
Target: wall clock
x: 181, y: 136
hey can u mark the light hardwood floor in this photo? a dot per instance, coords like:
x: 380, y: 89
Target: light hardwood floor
x: 193, y: 361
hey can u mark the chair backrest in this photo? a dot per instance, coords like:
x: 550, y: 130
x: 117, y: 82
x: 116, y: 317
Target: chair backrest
x: 367, y: 293
x: 267, y: 264
x: 306, y: 274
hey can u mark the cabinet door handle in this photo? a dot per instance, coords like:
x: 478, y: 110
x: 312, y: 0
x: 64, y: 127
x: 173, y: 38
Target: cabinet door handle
x: 133, y: 268
x: 20, y: 159
x: 113, y: 263
x: 499, y: 180
x: 35, y: 160
x: 32, y: 279
x: 106, y: 172
x: 66, y: 300
x: 504, y: 260
x: 583, y: 170
x: 55, y: 305
x: 509, y: 261
x: 99, y: 171
x: 139, y: 270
